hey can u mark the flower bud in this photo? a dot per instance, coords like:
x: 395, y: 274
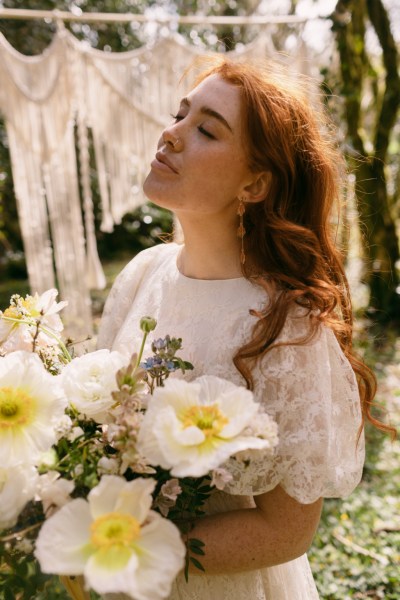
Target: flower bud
x: 147, y: 324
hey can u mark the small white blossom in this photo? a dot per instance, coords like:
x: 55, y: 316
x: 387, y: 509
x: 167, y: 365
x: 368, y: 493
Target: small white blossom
x: 53, y: 491
x: 220, y: 477
x: 63, y: 426
x: 78, y: 470
x: 107, y: 466
x: 262, y: 426
x: 114, y: 540
x: 171, y: 489
x: 25, y: 546
x: 166, y: 499
x: 48, y: 459
x: 75, y: 433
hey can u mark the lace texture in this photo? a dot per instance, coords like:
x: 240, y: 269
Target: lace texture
x: 309, y: 389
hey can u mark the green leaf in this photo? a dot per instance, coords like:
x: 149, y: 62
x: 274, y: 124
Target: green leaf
x: 195, y: 542
x: 8, y: 594
x: 205, y: 489
x: 197, y: 563
x: 197, y: 550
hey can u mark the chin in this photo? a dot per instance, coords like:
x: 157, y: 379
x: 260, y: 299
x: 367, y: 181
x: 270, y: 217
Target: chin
x: 155, y: 195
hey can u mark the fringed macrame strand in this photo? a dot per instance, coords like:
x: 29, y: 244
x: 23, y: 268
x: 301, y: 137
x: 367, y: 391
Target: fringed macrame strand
x: 53, y: 103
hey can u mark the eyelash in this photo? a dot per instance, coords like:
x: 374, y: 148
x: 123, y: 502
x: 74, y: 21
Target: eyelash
x: 200, y: 128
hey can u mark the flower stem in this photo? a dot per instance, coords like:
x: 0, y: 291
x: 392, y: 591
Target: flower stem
x: 48, y: 332
x: 19, y: 533
x: 139, y: 358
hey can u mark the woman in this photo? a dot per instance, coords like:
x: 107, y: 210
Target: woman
x: 258, y: 294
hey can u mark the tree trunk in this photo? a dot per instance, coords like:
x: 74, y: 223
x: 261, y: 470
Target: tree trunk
x: 381, y: 245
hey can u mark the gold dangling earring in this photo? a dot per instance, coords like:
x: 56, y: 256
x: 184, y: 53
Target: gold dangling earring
x: 241, y: 230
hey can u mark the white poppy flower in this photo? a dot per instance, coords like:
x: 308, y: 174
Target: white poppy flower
x: 18, y: 322
x: 31, y: 403
x: 192, y: 428
x: 88, y: 381
x: 17, y: 487
x: 114, y: 540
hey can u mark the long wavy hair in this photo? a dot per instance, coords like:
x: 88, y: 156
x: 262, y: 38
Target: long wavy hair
x: 290, y: 235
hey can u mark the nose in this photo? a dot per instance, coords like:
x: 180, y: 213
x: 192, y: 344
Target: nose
x: 171, y: 140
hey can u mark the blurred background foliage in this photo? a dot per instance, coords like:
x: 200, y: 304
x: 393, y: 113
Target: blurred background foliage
x: 356, y: 551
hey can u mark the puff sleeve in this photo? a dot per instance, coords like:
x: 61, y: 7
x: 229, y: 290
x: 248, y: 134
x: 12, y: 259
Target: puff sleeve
x: 312, y: 393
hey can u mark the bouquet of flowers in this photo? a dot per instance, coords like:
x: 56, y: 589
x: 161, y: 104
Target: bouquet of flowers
x: 105, y: 460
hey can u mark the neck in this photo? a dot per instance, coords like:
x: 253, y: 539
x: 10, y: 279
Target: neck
x: 210, y: 251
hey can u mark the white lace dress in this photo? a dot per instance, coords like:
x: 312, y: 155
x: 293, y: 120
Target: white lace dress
x: 309, y: 389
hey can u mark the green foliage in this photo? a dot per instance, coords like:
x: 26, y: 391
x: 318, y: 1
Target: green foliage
x: 355, y: 553
x: 140, y: 229
x: 20, y: 577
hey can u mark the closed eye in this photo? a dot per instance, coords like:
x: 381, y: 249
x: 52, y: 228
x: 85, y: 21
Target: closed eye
x: 179, y: 117
x: 205, y: 132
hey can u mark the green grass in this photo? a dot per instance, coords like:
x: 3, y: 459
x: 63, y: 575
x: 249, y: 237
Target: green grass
x: 356, y: 552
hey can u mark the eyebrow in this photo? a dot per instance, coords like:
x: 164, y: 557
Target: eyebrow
x: 206, y: 110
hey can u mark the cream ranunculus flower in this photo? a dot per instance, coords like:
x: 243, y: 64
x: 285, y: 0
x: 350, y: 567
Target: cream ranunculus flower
x: 192, y: 428
x: 17, y: 487
x: 18, y: 322
x: 31, y: 403
x: 114, y: 540
x: 88, y: 381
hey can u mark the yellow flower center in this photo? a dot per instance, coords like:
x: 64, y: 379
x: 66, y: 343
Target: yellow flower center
x: 17, y: 408
x: 29, y: 306
x: 208, y: 418
x: 12, y: 313
x: 114, y: 529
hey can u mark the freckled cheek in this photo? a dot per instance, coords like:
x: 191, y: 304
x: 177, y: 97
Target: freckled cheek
x: 217, y: 164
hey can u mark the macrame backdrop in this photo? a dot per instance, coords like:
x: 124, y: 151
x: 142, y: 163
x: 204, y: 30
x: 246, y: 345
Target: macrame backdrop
x: 50, y: 103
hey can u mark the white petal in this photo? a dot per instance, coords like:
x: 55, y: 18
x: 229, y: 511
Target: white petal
x: 239, y: 409
x: 136, y: 499
x: 167, y: 431
x: 103, y: 498
x: 62, y: 544
x: 177, y: 393
x: 212, y: 387
x: 17, y: 487
x: 103, y: 580
x: 162, y: 555
x: 189, y: 436
x: 115, y: 494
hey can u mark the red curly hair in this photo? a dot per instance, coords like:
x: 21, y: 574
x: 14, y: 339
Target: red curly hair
x: 289, y: 236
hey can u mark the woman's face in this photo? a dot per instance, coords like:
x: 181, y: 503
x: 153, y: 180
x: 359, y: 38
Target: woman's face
x: 200, y: 166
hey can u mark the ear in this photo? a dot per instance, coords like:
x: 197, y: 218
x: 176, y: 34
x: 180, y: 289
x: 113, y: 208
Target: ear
x: 258, y: 188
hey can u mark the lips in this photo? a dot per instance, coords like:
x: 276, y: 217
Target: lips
x: 162, y: 162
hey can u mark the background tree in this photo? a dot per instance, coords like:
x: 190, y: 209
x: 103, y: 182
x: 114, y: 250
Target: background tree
x: 369, y: 131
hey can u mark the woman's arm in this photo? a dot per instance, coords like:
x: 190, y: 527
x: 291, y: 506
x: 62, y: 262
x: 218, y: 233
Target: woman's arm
x: 277, y: 530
